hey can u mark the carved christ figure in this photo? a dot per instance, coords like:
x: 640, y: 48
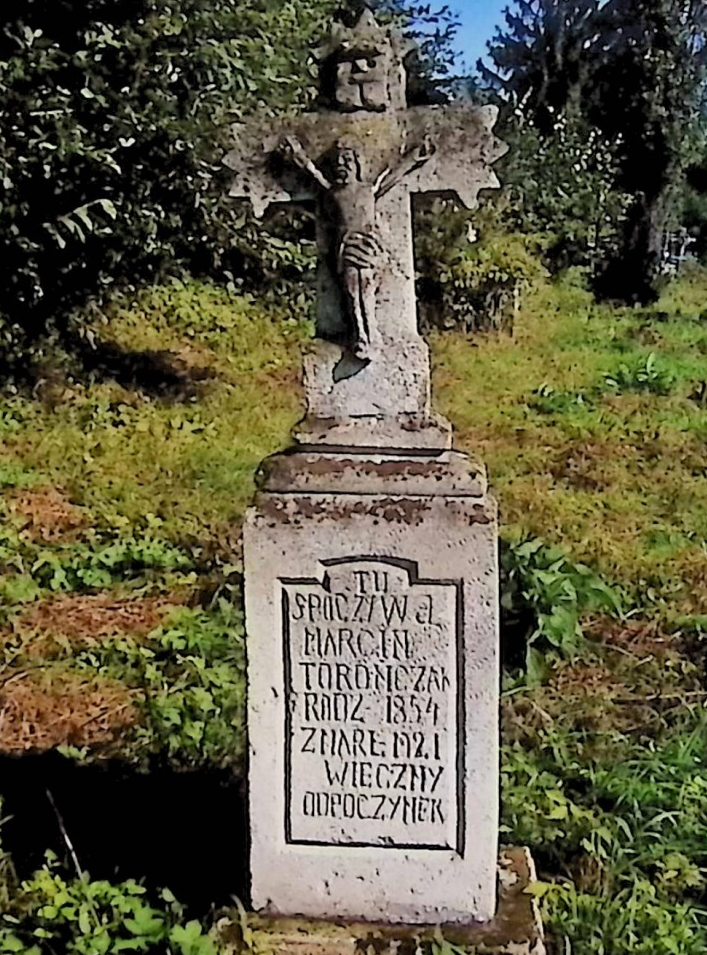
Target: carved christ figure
x: 358, y: 255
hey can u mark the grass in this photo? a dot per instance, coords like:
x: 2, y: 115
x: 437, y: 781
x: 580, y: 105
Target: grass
x: 616, y: 475
x: 592, y: 421
x: 185, y: 460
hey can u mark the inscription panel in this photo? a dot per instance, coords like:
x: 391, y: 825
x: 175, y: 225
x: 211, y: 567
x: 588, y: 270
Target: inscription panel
x: 373, y: 707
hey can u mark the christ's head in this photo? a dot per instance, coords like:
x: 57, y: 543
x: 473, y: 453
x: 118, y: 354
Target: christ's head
x: 347, y: 166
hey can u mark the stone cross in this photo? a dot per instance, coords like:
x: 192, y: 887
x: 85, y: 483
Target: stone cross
x: 371, y: 551
x: 360, y: 158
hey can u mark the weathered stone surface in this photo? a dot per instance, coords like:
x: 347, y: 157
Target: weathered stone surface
x: 429, y: 434
x: 397, y: 383
x: 371, y: 691
x: 373, y: 713
x: 371, y: 575
x: 360, y: 159
x: 516, y: 928
x: 449, y: 474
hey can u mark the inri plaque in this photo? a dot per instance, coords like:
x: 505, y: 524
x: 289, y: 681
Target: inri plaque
x: 373, y: 707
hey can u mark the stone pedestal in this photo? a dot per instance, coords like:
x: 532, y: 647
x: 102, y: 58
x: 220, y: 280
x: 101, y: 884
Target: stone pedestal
x: 371, y: 607
x: 396, y: 383
x: 516, y: 928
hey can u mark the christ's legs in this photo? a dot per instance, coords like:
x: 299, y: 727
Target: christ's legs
x: 360, y: 286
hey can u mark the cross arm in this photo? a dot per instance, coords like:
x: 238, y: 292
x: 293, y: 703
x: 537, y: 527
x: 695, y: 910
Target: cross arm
x: 466, y: 149
x: 292, y: 149
x: 257, y: 155
x: 411, y: 160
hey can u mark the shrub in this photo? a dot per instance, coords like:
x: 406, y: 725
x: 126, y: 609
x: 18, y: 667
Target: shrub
x: 645, y: 374
x: 113, y: 119
x: 472, y: 272
x: 563, y: 186
x: 543, y: 597
x: 192, y: 672
x: 53, y: 914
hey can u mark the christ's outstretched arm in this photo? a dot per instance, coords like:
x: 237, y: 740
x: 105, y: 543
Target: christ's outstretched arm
x: 292, y: 149
x: 410, y: 161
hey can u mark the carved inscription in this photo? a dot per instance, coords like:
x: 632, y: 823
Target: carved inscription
x: 372, y: 707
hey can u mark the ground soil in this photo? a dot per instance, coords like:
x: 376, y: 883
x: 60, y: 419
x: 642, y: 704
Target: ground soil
x: 83, y: 619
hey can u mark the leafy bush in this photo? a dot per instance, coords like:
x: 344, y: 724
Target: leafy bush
x: 563, y: 186
x: 544, y: 595
x: 51, y: 914
x: 27, y: 568
x: 112, y: 124
x: 468, y: 278
x: 114, y: 118
x: 192, y: 673
x: 83, y: 567
x: 546, y: 400
x: 79, y: 567
x: 539, y: 811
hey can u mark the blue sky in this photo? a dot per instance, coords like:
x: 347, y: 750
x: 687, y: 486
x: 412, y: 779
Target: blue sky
x: 479, y: 19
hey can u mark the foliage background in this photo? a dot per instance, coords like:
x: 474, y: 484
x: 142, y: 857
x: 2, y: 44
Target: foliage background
x: 126, y: 468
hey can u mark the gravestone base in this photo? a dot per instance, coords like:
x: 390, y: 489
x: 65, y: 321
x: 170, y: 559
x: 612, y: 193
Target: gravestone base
x: 415, y: 433
x: 371, y: 586
x: 516, y: 928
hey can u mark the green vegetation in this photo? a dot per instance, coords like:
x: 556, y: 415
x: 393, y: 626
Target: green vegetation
x: 192, y: 675
x: 541, y: 584
x: 51, y: 914
x: 231, y: 396
x: 113, y: 123
x: 133, y: 420
x: 615, y: 478
x: 606, y: 100
x: 592, y: 422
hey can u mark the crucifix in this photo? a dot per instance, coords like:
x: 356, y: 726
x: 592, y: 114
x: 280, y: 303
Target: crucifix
x: 371, y: 551
x: 351, y: 198
x: 360, y: 158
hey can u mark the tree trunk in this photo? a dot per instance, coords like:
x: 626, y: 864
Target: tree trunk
x: 633, y: 276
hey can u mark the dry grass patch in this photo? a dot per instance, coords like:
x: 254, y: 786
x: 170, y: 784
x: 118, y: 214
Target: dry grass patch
x: 693, y: 577
x: 42, y: 710
x: 83, y: 620
x: 46, y: 515
x: 636, y: 679
x: 584, y: 697
x: 592, y: 466
x: 640, y: 638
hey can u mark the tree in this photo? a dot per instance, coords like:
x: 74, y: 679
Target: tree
x: 542, y: 57
x: 113, y: 117
x: 693, y: 198
x: 113, y: 121
x: 634, y: 71
x: 646, y: 93
x: 561, y: 187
